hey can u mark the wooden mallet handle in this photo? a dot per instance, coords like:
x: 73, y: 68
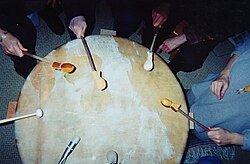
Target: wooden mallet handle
x: 37, y: 57
x: 100, y: 82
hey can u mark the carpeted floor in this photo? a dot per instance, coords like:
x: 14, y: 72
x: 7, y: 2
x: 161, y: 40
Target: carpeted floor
x: 11, y: 83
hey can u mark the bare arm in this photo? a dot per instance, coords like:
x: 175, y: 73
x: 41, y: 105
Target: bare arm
x: 170, y: 44
x: 10, y: 44
x: 224, y: 137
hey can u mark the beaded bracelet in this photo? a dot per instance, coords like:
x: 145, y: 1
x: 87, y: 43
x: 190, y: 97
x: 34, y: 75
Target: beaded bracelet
x: 3, y: 36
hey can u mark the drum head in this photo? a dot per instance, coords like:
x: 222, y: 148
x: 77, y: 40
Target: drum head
x: 126, y: 117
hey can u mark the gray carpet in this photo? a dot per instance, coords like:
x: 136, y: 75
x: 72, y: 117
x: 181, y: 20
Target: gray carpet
x: 11, y: 83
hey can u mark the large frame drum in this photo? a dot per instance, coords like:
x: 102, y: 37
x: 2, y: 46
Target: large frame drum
x: 126, y: 117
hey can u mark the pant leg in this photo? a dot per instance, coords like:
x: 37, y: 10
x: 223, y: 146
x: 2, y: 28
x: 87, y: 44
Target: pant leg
x: 51, y: 17
x: 191, y: 57
x: 127, y: 17
x: 25, y: 31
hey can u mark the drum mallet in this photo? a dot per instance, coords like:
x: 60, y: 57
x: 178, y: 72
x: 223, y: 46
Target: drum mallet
x: 71, y: 146
x: 65, y: 67
x: 112, y: 157
x: 39, y: 113
x: 100, y: 82
x: 149, y: 65
x: 176, y: 107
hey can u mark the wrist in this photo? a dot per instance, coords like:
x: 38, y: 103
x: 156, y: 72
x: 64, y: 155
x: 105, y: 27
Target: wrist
x: 236, y: 139
x: 180, y: 39
x: 3, y: 35
x: 224, y: 73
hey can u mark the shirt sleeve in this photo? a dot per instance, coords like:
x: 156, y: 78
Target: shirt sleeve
x: 246, y: 140
x: 242, y: 47
x: 78, y: 7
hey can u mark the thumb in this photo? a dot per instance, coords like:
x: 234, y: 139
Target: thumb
x: 20, y: 46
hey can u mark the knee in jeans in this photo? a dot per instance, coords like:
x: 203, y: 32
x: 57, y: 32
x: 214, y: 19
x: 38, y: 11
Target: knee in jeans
x: 191, y: 67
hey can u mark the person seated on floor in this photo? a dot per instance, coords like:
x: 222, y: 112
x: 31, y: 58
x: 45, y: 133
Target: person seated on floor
x: 17, y: 34
x: 49, y: 11
x: 216, y: 103
x: 80, y: 17
x: 127, y: 16
x: 207, y: 23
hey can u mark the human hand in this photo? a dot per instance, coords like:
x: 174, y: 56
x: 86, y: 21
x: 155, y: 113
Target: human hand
x: 160, y: 14
x: 170, y: 44
x: 219, y: 86
x: 12, y: 46
x: 220, y: 136
x: 224, y: 137
x: 78, y: 26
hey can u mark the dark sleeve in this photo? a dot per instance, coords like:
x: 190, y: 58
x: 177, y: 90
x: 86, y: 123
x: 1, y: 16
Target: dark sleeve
x: 13, y: 12
x: 78, y: 7
x: 172, y: 3
x: 196, y: 33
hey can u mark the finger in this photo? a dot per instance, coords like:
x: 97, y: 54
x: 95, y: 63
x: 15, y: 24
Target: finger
x: 212, y: 87
x: 153, y: 16
x: 157, y: 20
x: 18, y: 52
x: 83, y: 31
x: 6, y: 51
x: 218, y: 142
x: 216, y: 129
x: 160, y: 47
x: 218, y: 89
x: 158, y: 51
x: 79, y: 32
x: 160, y: 21
x: 223, y: 90
x: 164, y: 48
x: 75, y: 30
x: 21, y: 47
x: 209, y: 129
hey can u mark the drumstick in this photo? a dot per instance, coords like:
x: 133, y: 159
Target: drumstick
x: 176, y: 107
x: 37, y: 57
x: 39, y: 113
x: 112, y: 157
x: 99, y: 81
x: 148, y: 65
x: 66, y: 67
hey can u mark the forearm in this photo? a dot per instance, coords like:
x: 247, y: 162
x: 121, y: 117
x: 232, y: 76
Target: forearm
x: 236, y: 139
x: 179, y: 40
x: 226, y: 70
